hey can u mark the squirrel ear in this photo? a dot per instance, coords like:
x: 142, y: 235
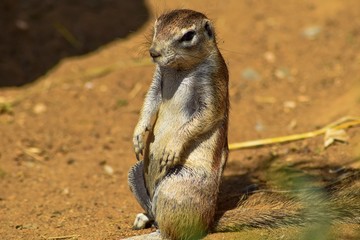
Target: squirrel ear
x: 209, y: 29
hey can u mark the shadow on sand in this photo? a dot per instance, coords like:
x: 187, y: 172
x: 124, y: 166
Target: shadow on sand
x: 37, y: 34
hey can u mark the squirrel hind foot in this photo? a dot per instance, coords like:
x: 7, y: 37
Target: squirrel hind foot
x: 142, y: 221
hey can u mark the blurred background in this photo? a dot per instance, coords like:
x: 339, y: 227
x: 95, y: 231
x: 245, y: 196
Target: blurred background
x: 73, y: 75
x: 37, y: 34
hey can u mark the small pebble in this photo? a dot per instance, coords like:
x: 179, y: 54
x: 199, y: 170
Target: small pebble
x: 26, y: 226
x: 292, y: 125
x: 108, y: 169
x: 39, y: 108
x: 33, y: 150
x: 259, y: 127
x: 89, y: 85
x: 269, y: 57
x: 21, y: 24
x: 311, y: 32
x: 66, y: 191
x: 250, y: 74
x: 290, y: 104
x: 282, y: 73
x: 303, y: 98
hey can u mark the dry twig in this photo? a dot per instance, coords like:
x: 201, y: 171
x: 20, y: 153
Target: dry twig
x: 62, y: 237
x: 343, y: 123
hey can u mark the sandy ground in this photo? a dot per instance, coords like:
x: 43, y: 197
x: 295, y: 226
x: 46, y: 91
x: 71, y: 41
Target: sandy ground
x: 65, y: 138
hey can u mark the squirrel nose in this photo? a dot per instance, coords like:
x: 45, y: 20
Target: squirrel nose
x: 154, y: 54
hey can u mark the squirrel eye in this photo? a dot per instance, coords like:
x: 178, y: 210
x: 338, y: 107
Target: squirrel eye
x: 188, y: 36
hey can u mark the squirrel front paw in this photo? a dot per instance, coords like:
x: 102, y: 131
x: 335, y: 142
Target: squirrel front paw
x: 170, y: 156
x: 138, y: 139
x: 138, y: 145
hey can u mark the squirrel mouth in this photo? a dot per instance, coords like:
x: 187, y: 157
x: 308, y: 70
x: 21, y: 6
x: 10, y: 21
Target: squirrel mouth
x: 163, y: 61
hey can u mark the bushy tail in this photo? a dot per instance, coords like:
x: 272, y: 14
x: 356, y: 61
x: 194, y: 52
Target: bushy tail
x: 264, y: 209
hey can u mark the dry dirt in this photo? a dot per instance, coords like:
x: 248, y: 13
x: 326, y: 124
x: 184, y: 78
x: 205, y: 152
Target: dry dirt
x: 65, y: 138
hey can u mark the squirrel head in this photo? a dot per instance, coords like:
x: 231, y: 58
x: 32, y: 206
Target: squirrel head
x: 182, y: 39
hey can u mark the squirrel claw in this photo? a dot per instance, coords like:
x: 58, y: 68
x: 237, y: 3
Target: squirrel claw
x: 174, y: 161
x: 138, y: 146
x: 138, y: 155
x: 168, y: 160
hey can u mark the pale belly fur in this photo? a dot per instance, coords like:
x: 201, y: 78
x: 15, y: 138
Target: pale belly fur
x: 173, y: 114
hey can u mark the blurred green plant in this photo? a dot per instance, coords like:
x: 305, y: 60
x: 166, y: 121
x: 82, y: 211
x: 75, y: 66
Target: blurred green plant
x: 2, y: 173
x: 305, y: 189
x: 6, y: 108
x: 121, y: 103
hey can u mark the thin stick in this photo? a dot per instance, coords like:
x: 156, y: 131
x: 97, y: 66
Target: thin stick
x: 34, y: 156
x: 61, y: 237
x: 343, y: 123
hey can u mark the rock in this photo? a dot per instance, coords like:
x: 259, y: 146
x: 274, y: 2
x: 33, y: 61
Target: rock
x: 259, y: 127
x: 282, y: 73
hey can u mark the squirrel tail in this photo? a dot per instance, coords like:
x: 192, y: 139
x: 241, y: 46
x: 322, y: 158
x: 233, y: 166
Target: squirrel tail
x: 275, y: 209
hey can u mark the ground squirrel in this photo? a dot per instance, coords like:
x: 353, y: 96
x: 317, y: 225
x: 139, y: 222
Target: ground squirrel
x: 187, y: 148
x: 186, y: 113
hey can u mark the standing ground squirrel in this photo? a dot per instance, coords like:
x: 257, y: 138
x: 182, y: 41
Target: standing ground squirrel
x: 187, y: 148
x: 186, y: 113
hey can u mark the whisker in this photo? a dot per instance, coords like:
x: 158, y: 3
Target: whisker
x: 196, y: 57
x: 231, y: 51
